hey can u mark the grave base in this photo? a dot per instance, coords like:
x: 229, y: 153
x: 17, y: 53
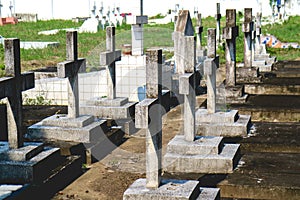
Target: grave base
x: 231, y: 94
x: 9, y: 190
x: 32, y: 162
x: 262, y: 65
x: 60, y: 127
x: 269, y: 89
x: 118, y: 108
x: 214, y: 125
x: 170, y: 190
x: 247, y: 75
x: 204, y: 155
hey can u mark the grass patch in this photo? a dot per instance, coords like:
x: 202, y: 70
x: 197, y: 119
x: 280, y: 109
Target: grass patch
x: 90, y: 44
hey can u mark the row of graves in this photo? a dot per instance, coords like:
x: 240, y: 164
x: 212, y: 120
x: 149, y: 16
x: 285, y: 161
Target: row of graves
x: 213, y: 141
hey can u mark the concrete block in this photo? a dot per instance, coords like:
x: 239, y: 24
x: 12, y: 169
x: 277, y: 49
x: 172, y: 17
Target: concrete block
x: 268, y: 89
x: 65, y: 121
x: 265, y: 68
x: 240, y: 128
x: 247, y: 72
x: 201, y: 145
x: 7, y: 190
x: 109, y: 112
x: 258, y: 63
x: 28, y: 151
x: 35, y: 169
x: 222, y: 163
x: 202, y: 116
x: 86, y: 134
x: 169, y: 190
x: 98, y: 101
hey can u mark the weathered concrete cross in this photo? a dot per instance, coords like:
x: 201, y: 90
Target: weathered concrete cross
x: 199, y: 30
x: 210, y: 66
x: 11, y: 88
x: 148, y: 116
x: 69, y: 69
x: 218, y: 19
x: 187, y: 85
x: 247, y: 28
x: 109, y: 59
x: 230, y: 33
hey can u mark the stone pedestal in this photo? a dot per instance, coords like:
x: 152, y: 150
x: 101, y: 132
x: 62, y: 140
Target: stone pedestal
x: 60, y: 127
x: 231, y: 94
x: 170, y: 190
x: 205, y: 154
x: 248, y: 75
x: 227, y: 124
x: 32, y: 162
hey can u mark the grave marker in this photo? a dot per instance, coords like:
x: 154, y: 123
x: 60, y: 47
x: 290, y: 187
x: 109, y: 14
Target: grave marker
x: 230, y: 33
x: 210, y: 66
x: 149, y: 117
x: 218, y: 18
x: 109, y: 59
x: 247, y: 28
x: 11, y: 88
x: 69, y: 69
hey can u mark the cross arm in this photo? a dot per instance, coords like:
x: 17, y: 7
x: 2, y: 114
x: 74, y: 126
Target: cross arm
x: 209, y: 64
x: 108, y: 57
x: 186, y: 82
x: 230, y: 32
x: 142, y: 112
x: 68, y: 69
x: 7, y: 84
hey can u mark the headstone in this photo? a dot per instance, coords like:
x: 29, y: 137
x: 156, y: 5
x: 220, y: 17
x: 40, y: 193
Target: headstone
x: 218, y: 19
x: 109, y: 59
x: 69, y: 69
x: 73, y: 127
x: 182, y: 40
x: 213, y: 121
x: 201, y: 51
x: 12, y: 88
x: 149, y: 118
x: 210, y: 66
x: 232, y: 93
x: 20, y: 162
x: 230, y: 33
x: 247, y: 28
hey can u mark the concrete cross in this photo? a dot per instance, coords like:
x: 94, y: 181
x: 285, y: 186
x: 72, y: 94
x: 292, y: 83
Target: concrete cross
x: 187, y: 85
x: 218, y: 19
x: 183, y: 39
x: 11, y: 88
x: 148, y: 116
x: 210, y: 66
x: 109, y: 59
x: 247, y: 28
x: 69, y: 69
x: 258, y: 33
x: 199, y: 30
x: 230, y: 33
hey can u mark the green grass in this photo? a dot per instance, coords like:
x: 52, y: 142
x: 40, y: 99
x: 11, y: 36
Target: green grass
x: 91, y: 44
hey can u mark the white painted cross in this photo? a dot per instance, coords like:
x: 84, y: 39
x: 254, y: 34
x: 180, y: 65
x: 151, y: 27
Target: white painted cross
x: 109, y: 59
x: 11, y: 88
x: 69, y: 69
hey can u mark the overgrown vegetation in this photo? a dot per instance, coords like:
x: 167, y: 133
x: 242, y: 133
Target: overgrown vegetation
x: 91, y: 44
